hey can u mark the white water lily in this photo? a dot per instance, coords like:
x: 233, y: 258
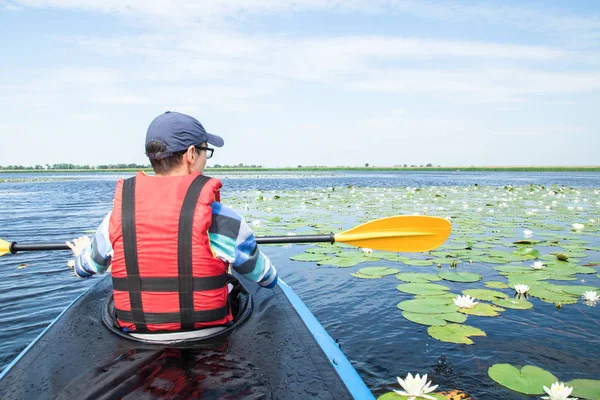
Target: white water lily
x: 415, y: 387
x: 465, y: 301
x: 521, y: 289
x: 590, y: 296
x: 366, y: 250
x: 527, y: 233
x: 558, y: 391
x: 538, y: 265
x: 578, y: 227
x: 256, y: 222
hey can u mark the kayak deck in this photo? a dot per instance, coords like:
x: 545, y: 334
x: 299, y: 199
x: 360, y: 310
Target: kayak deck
x: 273, y: 355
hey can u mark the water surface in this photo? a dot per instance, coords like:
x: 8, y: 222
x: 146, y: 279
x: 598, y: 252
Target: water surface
x: 361, y: 314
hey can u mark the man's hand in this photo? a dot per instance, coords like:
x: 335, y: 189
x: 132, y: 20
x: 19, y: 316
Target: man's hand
x: 79, y: 244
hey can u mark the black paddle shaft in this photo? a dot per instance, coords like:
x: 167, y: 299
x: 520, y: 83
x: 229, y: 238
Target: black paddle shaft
x: 14, y: 247
x: 329, y: 238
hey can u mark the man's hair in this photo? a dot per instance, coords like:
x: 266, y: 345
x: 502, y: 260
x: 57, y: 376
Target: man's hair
x: 165, y: 165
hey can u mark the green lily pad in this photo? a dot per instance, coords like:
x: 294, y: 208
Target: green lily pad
x: 585, y: 388
x: 309, y: 257
x: 496, y: 285
x: 339, y: 262
x: 485, y: 294
x: 528, y: 380
x: 516, y: 304
x: 460, y: 276
x: 425, y: 319
x: 514, y: 270
x: 578, y: 290
x: 447, y: 296
x: 482, y: 310
x: 419, y: 263
x: 430, y: 305
x: 363, y: 276
x: 455, y: 317
x: 454, y: 333
x: 323, y: 250
x: 549, y: 296
x: 414, y: 277
x: 422, y: 288
x: 378, y: 271
x: 527, y: 252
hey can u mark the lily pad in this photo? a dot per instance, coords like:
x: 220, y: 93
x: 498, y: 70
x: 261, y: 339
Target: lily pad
x: 422, y: 288
x: 414, y: 277
x: 378, y: 271
x: 419, y: 263
x: 496, y: 285
x: 339, y: 262
x: 454, y: 333
x: 485, y: 294
x: 578, y: 290
x: 460, y: 276
x: 454, y: 317
x: 363, y: 276
x: 527, y: 252
x: 482, y: 310
x: 309, y: 257
x: 425, y: 319
x: 323, y: 250
x: 516, y: 304
x: 585, y: 388
x: 430, y: 305
x: 528, y: 380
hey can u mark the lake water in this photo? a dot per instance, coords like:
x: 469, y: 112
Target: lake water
x: 361, y: 314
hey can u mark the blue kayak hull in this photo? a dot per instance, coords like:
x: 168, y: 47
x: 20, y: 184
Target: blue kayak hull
x: 280, y: 352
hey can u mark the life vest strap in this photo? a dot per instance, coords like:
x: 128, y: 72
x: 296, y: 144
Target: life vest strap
x: 131, y: 255
x: 174, y: 317
x: 184, y: 253
x: 171, y: 284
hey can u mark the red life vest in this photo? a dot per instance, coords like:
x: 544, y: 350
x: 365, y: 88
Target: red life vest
x: 165, y: 274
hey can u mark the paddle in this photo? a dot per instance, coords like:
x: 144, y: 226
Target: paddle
x: 402, y: 233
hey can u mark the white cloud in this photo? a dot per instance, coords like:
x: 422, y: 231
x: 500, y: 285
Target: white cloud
x: 541, y: 18
x: 291, y: 89
x: 489, y: 84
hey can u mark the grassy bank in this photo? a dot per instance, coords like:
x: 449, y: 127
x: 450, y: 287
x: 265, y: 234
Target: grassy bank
x: 324, y: 169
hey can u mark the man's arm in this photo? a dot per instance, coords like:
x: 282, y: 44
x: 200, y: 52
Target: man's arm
x: 232, y: 241
x: 96, y: 257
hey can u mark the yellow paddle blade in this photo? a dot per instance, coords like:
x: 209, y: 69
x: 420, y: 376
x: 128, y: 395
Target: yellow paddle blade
x: 4, y: 247
x: 402, y: 233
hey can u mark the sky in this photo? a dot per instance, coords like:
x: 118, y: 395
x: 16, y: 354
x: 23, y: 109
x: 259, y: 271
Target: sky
x: 313, y: 82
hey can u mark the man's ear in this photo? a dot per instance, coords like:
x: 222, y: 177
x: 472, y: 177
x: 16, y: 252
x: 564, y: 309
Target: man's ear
x: 191, y: 153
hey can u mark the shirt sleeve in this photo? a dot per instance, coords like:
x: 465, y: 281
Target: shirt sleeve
x: 233, y: 241
x: 96, y: 258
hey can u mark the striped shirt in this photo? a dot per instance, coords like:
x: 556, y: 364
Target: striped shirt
x: 230, y: 237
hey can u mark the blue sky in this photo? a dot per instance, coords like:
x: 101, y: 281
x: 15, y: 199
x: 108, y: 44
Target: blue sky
x: 314, y: 82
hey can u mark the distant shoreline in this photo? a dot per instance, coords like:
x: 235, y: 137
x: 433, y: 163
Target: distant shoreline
x: 309, y: 169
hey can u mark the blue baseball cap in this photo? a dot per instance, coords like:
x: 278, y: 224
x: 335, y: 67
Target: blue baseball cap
x: 178, y: 132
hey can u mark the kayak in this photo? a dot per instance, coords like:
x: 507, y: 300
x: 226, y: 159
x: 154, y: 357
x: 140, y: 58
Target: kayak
x: 275, y: 349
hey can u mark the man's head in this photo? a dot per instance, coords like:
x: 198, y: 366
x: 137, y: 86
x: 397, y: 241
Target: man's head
x: 176, y: 142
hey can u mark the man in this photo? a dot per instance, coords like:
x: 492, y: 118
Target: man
x: 169, y: 240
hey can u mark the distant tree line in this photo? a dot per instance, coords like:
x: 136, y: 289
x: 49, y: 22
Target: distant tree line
x: 240, y: 165
x: 106, y: 166
x: 72, y: 166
